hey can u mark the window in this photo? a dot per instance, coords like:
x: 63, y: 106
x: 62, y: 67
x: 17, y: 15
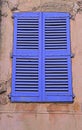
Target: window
x: 41, y: 58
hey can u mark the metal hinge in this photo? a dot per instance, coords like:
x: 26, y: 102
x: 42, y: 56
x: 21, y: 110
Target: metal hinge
x: 72, y: 55
x: 11, y: 55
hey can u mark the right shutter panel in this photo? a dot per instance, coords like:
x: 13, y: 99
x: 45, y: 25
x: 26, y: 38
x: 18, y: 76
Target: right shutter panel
x: 58, y: 84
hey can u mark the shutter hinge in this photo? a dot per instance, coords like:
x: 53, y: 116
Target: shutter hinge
x: 72, y: 55
x: 12, y: 17
x: 73, y: 95
x: 70, y: 16
x: 9, y: 96
x: 11, y: 55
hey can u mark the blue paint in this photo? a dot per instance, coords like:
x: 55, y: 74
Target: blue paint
x: 41, y: 58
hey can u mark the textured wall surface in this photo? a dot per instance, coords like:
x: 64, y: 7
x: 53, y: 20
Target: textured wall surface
x: 34, y: 116
x: 0, y: 22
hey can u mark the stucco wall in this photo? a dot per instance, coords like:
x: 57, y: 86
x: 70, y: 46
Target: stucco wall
x: 34, y: 116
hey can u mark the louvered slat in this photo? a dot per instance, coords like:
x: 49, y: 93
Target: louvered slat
x: 26, y: 83
x: 26, y: 37
x: 58, y: 82
x: 55, y: 36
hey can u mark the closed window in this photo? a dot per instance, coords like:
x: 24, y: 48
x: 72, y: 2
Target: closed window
x: 41, y: 58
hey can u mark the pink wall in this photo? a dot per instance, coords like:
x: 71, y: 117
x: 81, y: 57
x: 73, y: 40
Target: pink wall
x: 39, y: 116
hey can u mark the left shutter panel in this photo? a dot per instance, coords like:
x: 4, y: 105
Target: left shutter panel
x: 25, y: 75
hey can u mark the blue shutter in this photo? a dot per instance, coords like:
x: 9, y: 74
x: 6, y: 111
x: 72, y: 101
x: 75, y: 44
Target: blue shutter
x: 41, y: 58
x: 57, y: 57
x: 26, y: 60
